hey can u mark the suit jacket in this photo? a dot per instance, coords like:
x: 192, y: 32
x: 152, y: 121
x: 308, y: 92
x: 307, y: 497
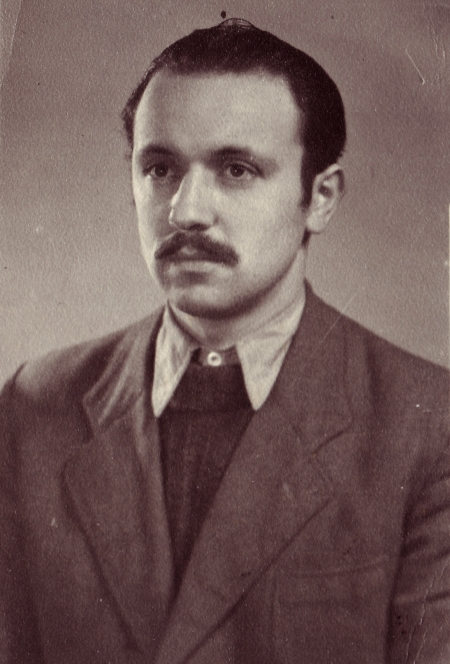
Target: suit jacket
x: 327, y: 542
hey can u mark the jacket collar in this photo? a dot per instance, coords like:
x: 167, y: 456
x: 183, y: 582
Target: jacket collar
x: 270, y: 491
x: 310, y: 387
x: 127, y: 375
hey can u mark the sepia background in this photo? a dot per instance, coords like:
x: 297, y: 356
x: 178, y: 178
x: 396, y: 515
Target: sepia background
x: 70, y: 264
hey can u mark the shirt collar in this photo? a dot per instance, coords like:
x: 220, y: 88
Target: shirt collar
x: 261, y: 355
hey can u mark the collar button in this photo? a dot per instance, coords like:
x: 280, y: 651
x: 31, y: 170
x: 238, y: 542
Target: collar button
x: 214, y: 359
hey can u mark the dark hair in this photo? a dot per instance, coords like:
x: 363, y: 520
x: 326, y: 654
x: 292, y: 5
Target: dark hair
x: 236, y: 46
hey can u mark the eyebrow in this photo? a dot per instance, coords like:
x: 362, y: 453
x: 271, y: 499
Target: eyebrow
x: 151, y: 150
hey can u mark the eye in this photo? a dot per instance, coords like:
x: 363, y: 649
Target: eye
x: 239, y: 172
x: 236, y: 170
x: 158, y: 171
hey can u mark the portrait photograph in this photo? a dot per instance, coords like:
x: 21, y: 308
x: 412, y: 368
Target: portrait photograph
x: 224, y: 332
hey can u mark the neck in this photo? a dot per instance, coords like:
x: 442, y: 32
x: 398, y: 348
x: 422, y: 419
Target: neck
x: 220, y: 334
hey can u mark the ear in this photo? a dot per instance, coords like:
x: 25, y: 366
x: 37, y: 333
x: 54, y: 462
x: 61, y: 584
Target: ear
x: 328, y: 189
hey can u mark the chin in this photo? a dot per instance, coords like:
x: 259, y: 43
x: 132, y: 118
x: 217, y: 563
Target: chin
x: 210, y: 307
x: 202, y: 308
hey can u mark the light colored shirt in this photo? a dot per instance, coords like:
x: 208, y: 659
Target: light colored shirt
x: 260, y: 354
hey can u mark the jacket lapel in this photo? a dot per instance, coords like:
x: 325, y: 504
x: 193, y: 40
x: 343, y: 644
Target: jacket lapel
x: 114, y: 485
x: 272, y: 487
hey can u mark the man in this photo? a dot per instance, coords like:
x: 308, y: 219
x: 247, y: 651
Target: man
x: 247, y: 476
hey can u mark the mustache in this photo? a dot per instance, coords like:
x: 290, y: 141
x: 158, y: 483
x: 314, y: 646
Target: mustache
x: 203, y: 245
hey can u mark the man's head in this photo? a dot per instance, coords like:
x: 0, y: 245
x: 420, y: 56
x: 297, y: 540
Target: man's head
x: 236, y: 46
x: 233, y: 165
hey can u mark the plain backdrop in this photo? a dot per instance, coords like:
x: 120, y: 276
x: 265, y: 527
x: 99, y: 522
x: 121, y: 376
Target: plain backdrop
x: 70, y: 262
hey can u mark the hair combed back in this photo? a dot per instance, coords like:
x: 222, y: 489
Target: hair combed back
x: 236, y: 46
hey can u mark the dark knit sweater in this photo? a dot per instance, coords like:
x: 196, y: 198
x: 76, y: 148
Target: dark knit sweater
x: 199, y: 431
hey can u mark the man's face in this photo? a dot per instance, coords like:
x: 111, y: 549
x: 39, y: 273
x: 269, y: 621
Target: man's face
x: 216, y: 179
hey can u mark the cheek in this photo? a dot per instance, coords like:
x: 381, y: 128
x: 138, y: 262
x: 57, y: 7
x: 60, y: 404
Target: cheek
x: 153, y: 219
x: 271, y: 223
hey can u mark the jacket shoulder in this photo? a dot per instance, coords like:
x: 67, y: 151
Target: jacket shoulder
x: 393, y: 370
x: 73, y: 370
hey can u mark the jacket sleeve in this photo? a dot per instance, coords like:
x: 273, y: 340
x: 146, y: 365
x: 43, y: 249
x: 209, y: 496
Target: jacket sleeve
x: 420, y: 613
x: 19, y: 640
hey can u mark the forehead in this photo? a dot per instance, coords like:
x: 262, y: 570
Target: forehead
x: 217, y: 108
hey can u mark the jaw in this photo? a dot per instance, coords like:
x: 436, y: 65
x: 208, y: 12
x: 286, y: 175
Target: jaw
x: 220, y: 317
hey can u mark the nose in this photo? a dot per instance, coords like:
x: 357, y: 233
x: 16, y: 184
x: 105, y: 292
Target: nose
x: 191, y: 208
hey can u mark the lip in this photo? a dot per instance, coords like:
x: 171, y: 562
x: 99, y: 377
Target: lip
x: 190, y: 255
